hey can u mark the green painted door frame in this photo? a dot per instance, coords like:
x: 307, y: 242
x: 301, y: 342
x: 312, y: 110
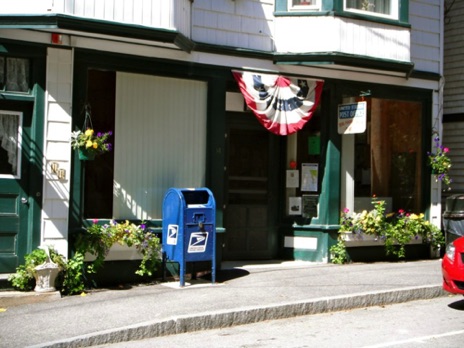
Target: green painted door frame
x: 21, y: 198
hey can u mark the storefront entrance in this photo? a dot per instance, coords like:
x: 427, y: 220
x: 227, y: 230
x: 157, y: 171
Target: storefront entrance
x: 250, y: 216
x: 15, y: 198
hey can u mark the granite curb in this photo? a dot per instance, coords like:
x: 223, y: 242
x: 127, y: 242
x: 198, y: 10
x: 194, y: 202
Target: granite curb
x: 247, y: 315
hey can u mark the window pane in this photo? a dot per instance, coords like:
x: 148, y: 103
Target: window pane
x: 9, y: 144
x: 303, y: 2
x: 2, y: 72
x: 17, y: 75
x: 387, y: 155
x: 376, y: 6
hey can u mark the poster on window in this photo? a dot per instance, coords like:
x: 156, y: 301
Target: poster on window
x: 293, y: 178
x: 309, y: 176
x: 294, y: 206
x: 352, y: 118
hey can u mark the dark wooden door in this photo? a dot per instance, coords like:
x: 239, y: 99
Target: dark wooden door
x: 250, y: 213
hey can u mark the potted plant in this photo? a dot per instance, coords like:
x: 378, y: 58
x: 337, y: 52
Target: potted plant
x: 90, y: 144
x: 39, y: 271
x: 393, y: 230
x: 440, y: 163
x: 98, y: 239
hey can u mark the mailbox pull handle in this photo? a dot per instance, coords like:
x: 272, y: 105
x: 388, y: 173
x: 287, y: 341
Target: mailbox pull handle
x: 198, y: 217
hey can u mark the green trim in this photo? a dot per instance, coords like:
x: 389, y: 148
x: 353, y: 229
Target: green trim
x: 66, y: 22
x: 233, y: 51
x: 331, y: 58
x: 216, y: 160
x: 351, y: 15
x: 17, y: 97
x: 216, y: 78
x: 35, y: 102
x: 325, y: 239
x: 425, y: 75
x: 95, y: 26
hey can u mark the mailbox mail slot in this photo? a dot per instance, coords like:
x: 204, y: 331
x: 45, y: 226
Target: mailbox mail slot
x: 189, y: 228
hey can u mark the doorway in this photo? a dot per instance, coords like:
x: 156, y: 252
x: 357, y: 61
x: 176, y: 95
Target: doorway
x: 15, y: 198
x: 250, y: 216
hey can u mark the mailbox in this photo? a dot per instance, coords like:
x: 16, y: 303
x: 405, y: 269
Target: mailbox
x: 189, y: 228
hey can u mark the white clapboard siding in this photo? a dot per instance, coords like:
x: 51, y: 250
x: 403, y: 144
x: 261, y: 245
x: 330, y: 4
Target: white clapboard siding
x: 160, y: 141
x: 243, y: 23
x: 425, y: 20
x: 56, y: 191
x: 166, y: 14
x: 453, y: 62
x: 452, y: 138
x: 343, y: 35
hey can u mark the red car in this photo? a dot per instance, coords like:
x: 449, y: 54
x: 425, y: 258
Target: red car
x: 452, y: 267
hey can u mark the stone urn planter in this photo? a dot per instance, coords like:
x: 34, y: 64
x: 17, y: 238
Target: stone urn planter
x: 45, y: 274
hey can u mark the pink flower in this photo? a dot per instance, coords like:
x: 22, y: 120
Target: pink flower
x: 346, y: 210
x: 445, y: 150
x: 95, y: 221
x: 401, y: 211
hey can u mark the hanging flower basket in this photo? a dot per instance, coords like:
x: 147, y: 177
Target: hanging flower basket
x: 85, y: 155
x: 87, y: 142
x: 440, y: 163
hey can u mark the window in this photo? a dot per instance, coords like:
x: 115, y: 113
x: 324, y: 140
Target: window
x: 385, y: 161
x: 14, y: 74
x: 396, y: 11
x: 10, y: 144
x: 384, y: 8
x: 303, y: 4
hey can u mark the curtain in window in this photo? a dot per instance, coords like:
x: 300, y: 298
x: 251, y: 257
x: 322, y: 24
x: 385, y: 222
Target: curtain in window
x: 282, y: 104
x: 17, y: 74
x: 9, y: 137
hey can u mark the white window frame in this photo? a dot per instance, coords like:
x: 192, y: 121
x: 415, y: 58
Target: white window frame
x: 394, y: 5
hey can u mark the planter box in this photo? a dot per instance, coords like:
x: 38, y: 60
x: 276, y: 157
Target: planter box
x: 368, y: 240
x: 118, y: 252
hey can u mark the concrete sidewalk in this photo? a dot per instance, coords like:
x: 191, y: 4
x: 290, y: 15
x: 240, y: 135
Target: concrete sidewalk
x: 243, y: 293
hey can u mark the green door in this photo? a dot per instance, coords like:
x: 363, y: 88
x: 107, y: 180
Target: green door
x: 15, y: 130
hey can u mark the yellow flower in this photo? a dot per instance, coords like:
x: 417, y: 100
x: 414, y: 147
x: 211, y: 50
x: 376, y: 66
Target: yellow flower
x: 88, y: 144
x: 89, y: 132
x: 95, y: 145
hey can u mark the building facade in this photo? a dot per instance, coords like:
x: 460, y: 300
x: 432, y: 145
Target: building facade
x: 160, y: 76
x: 453, y: 101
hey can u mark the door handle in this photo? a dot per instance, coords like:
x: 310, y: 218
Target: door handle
x: 24, y: 200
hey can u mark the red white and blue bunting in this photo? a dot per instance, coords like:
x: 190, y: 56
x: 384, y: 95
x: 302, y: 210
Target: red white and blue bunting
x: 282, y: 104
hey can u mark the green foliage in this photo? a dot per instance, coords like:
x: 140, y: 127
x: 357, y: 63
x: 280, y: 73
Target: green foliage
x: 440, y: 163
x: 98, y: 239
x: 338, y: 254
x: 73, y: 276
x: 396, y: 230
x: 97, y: 144
x: 24, y: 279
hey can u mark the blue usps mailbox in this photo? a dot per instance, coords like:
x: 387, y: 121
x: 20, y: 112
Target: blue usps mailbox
x: 189, y: 228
